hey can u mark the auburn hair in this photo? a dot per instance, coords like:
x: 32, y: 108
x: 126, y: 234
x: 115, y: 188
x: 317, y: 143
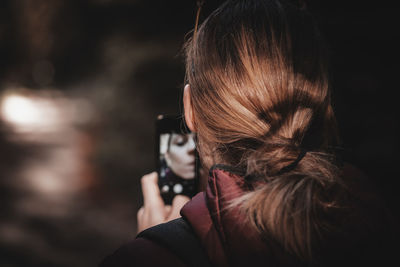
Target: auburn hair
x: 261, y: 101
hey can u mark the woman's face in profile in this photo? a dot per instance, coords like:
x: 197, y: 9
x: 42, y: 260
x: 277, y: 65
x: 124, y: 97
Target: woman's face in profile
x: 180, y: 155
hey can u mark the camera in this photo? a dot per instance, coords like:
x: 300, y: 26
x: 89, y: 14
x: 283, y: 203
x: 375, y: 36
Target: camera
x: 177, y: 158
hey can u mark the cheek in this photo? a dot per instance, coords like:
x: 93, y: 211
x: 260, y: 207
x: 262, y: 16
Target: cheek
x: 180, y: 154
x: 176, y: 153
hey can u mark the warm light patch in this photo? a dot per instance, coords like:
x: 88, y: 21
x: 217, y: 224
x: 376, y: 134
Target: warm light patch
x: 20, y: 110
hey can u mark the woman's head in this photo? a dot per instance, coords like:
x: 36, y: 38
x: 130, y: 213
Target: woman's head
x: 259, y: 96
x: 180, y: 155
x: 258, y: 76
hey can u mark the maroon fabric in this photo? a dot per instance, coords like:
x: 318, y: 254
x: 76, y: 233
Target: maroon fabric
x: 198, y: 215
x: 228, y: 240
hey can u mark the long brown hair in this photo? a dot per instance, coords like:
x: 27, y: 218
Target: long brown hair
x: 261, y: 102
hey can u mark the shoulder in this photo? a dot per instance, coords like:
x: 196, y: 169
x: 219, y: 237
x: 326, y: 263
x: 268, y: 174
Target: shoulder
x: 141, y: 252
x: 168, y: 244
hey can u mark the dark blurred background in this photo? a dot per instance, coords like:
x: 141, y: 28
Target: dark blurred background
x: 81, y: 83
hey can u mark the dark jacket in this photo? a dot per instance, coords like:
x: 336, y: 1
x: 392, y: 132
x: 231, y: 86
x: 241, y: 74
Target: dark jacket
x: 229, y: 241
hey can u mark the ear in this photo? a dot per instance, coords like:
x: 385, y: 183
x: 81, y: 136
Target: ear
x: 188, y: 110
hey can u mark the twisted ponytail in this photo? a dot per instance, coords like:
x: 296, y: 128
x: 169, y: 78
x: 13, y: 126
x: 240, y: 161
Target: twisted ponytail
x: 260, y: 97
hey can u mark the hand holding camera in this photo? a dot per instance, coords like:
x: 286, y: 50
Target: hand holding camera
x: 154, y: 210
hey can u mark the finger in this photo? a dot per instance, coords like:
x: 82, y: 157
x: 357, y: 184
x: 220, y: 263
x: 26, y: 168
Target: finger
x: 168, y: 209
x: 177, y: 204
x: 140, y: 217
x: 151, y: 192
x: 140, y: 213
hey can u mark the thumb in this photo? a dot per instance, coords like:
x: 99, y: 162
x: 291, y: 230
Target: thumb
x: 177, y: 204
x: 151, y: 192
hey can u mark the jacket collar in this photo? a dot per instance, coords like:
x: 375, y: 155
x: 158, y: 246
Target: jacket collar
x: 223, y: 231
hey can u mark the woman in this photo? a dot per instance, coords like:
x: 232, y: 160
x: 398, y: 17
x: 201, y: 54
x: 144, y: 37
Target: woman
x: 257, y: 96
x: 179, y: 156
x: 177, y: 168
